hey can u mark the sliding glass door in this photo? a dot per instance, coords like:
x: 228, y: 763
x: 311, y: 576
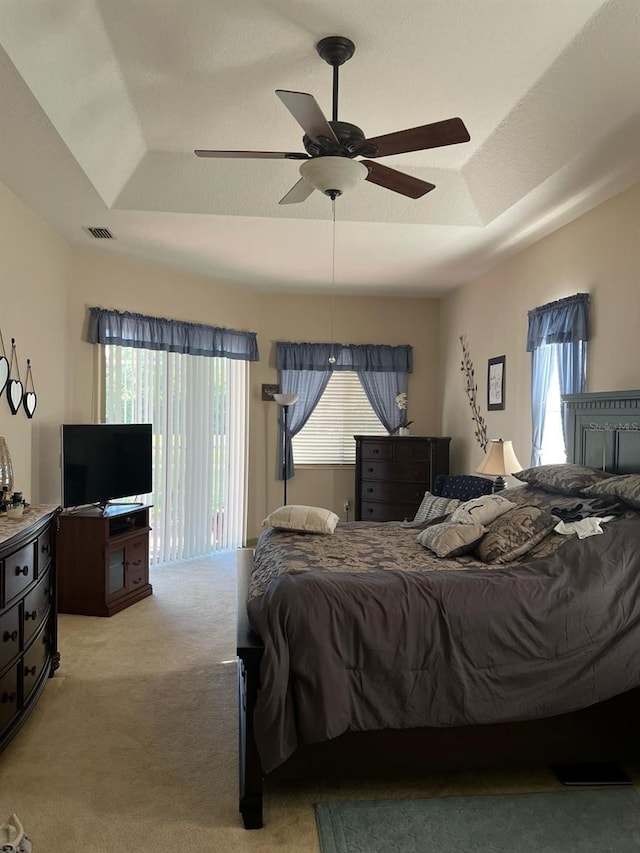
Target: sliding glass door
x: 198, y: 408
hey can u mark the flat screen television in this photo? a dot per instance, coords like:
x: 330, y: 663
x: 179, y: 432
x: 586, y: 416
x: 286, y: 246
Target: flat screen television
x: 105, y: 462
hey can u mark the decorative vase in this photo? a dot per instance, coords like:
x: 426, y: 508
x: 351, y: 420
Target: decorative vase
x: 6, y: 468
x: 404, y: 431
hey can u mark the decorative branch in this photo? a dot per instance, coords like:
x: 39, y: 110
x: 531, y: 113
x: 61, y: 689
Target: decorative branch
x: 471, y: 389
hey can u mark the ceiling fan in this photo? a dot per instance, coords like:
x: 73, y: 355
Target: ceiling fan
x: 332, y: 146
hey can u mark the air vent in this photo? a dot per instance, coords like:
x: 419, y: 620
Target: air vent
x: 99, y: 233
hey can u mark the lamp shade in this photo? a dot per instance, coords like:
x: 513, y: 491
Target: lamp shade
x: 285, y: 399
x: 499, y: 459
x: 333, y: 174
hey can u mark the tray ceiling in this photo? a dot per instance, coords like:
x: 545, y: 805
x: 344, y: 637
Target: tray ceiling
x: 107, y: 100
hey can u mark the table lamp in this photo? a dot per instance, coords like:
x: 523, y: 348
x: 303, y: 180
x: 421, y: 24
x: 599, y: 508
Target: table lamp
x: 499, y: 460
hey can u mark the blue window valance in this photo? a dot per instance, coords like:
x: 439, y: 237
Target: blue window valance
x: 156, y: 333
x: 562, y: 322
x: 370, y: 358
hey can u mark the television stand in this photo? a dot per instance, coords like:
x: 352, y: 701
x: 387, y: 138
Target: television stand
x: 105, y: 507
x: 103, y: 559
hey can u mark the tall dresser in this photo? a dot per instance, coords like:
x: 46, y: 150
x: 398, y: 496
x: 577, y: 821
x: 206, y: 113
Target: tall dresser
x: 394, y: 472
x: 28, y: 621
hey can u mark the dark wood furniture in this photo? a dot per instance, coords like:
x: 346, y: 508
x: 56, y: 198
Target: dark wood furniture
x: 601, y: 428
x: 28, y: 623
x: 393, y: 473
x: 103, y: 559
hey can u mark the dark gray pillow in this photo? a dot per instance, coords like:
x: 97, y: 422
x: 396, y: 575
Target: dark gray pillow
x: 624, y: 487
x: 562, y: 479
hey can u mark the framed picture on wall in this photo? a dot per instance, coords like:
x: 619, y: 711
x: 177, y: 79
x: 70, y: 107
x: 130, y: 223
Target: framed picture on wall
x: 495, y: 383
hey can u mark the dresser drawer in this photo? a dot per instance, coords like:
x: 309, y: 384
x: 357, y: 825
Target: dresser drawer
x: 397, y: 472
x: 19, y: 572
x: 44, y: 547
x: 379, y: 511
x: 36, y: 607
x: 34, y: 661
x: 379, y: 490
x: 411, y: 451
x: 8, y: 697
x: 9, y: 635
x: 376, y: 450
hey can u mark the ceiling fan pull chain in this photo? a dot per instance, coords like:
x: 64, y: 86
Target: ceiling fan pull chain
x: 332, y: 358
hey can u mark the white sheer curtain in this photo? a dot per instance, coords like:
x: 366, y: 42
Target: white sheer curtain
x: 198, y: 408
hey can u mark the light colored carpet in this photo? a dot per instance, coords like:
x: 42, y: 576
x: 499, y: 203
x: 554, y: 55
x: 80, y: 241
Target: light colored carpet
x: 133, y: 746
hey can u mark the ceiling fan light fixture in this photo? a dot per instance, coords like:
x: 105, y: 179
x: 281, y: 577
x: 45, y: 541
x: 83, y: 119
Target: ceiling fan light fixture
x: 333, y: 176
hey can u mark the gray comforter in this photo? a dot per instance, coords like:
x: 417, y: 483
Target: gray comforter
x: 439, y: 643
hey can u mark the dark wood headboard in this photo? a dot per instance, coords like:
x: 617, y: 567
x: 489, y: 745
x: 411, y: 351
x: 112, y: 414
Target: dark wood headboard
x: 603, y: 430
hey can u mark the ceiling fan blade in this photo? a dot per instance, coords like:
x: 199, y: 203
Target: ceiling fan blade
x: 261, y: 155
x: 391, y: 179
x: 305, y: 110
x: 451, y: 131
x: 300, y: 191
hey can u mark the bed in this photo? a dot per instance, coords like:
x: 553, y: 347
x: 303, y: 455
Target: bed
x: 366, y: 631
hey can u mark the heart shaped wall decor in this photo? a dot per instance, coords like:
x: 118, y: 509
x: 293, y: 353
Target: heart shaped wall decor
x: 14, y: 394
x: 30, y: 401
x: 4, y: 372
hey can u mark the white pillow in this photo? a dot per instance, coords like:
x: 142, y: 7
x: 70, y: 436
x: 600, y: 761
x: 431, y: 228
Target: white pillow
x: 482, y: 510
x: 451, y: 540
x: 305, y: 519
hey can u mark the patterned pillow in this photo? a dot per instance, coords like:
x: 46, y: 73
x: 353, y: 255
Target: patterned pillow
x: 433, y: 506
x: 305, y: 519
x: 450, y: 540
x: 625, y: 487
x: 514, y: 534
x: 562, y: 479
x: 481, y: 510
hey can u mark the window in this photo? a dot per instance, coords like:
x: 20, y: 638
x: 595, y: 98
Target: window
x: 343, y: 411
x: 197, y: 406
x: 557, y: 339
x: 553, y: 449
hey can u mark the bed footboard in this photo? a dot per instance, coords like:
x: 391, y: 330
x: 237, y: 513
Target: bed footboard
x: 249, y: 650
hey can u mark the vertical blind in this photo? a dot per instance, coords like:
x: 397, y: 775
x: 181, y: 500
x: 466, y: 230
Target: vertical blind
x: 343, y: 411
x: 198, y: 408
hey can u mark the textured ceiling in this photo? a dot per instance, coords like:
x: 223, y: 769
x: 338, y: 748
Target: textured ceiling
x: 108, y: 98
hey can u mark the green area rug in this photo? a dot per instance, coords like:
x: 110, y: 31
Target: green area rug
x: 602, y: 821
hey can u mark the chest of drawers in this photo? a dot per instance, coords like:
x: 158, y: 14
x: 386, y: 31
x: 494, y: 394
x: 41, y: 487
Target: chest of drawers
x: 28, y: 622
x: 394, y: 472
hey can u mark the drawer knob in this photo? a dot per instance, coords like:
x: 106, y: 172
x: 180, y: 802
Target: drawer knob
x: 29, y: 670
x: 369, y: 510
x: 46, y: 548
x: 376, y: 450
x: 369, y: 470
x: 9, y: 636
x: 30, y: 614
x: 369, y: 489
x: 24, y: 570
x: 8, y: 697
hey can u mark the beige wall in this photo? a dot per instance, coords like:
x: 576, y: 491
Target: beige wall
x: 598, y: 253
x: 357, y: 320
x: 46, y: 288
x: 34, y: 272
x: 109, y: 282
